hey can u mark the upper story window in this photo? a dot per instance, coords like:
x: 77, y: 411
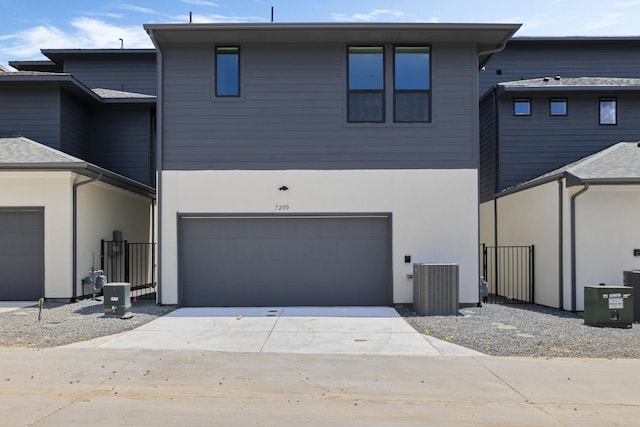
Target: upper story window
x: 558, y: 107
x: 522, y: 107
x: 227, y: 71
x: 365, y: 84
x: 608, y: 115
x: 412, y: 84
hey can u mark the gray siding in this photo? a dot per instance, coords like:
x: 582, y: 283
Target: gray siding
x: 75, y: 125
x: 292, y: 113
x: 533, y: 145
x: 532, y: 59
x: 33, y: 112
x: 488, y: 147
x: 121, y: 141
x: 130, y: 75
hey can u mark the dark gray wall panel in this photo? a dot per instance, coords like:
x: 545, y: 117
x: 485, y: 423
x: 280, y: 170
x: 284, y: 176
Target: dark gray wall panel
x: 121, y: 141
x: 33, y: 112
x: 532, y: 59
x: 488, y: 146
x: 130, y: 75
x: 284, y: 261
x: 75, y: 125
x: 291, y: 114
x: 21, y: 254
x: 533, y: 145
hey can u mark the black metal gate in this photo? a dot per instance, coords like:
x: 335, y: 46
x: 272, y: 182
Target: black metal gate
x: 134, y: 263
x: 509, y: 272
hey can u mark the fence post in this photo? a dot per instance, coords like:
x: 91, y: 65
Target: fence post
x: 126, y: 261
x: 484, y: 261
x: 102, y: 254
x: 532, y: 273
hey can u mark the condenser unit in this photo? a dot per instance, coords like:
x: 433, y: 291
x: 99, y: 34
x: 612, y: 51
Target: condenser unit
x: 435, y: 289
x: 632, y: 279
x: 117, y: 298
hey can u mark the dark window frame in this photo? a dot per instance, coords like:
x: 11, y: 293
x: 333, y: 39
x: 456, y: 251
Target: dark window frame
x: 367, y: 91
x: 566, y: 107
x: 428, y: 91
x: 238, y: 93
x: 517, y: 100
x: 615, y: 106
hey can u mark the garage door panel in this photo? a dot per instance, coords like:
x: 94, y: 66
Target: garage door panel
x: 290, y: 261
x: 21, y: 254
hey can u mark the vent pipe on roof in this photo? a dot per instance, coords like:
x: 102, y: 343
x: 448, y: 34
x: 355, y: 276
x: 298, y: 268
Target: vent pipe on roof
x: 121, y: 43
x: 272, y: 14
x: 190, y: 17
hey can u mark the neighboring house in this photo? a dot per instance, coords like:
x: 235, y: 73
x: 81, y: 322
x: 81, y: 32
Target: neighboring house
x: 312, y: 164
x: 526, y: 58
x: 54, y: 210
x: 583, y: 220
x: 529, y: 127
x: 58, y: 130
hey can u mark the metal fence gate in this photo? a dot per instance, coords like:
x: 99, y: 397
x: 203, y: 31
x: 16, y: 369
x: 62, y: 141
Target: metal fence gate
x: 134, y: 263
x: 509, y: 272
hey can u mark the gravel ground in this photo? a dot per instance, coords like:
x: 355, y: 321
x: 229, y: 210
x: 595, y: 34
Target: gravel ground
x: 499, y: 330
x: 528, y: 330
x: 66, y: 323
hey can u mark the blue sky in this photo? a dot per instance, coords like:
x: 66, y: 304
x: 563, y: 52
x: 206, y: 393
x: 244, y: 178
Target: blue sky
x: 26, y: 26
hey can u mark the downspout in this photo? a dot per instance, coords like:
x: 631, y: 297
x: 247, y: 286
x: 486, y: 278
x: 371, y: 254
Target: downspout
x: 496, y: 165
x: 573, y: 245
x: 74, y: 292
x: 159, y: 114
x: 560, y: 246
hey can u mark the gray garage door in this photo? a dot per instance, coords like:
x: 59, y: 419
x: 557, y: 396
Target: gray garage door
x: 21, y: 254
x: 285, y: 261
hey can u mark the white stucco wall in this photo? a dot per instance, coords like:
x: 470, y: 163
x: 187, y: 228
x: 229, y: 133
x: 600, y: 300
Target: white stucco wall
x: 531, y: 217
x: 51, y: 190
x: 607, y: 231
x: 434, y: 212
x: 103, y: 208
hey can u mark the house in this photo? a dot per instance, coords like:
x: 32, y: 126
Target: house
x: 582, y: 218
x: 526, y: 58
x: 77, y: 163
x: 529, y: 127
x: 54, y: 210
x: 312, y: 164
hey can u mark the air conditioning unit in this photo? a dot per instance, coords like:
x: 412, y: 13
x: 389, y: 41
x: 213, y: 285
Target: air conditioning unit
x: 632, y: 279
x: 436, y: 289
x: 116, y: 298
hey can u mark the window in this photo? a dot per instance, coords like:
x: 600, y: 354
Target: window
x: 411, y: 84
x: 522, y: 107
x: 227, y: 71
x: 608, y: 114
x: 365, y: 84
x: 558, y: 107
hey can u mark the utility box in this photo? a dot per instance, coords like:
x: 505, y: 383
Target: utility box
x: 117, y: 298
x: 632, y: 279
x: 609, y: 306
x: 435, y: 289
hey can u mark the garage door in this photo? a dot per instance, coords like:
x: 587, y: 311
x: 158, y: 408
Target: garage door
x: 21, y: 254
x: 285, y: 261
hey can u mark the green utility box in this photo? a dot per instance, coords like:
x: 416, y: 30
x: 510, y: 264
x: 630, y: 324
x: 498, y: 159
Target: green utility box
x: 117, y: 298
x: 610, y: 306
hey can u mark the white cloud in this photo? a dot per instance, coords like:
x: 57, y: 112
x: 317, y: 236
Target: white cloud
x: 374, y: 15
x: 214, y: 18
x: 201, y: 3
x: 86, y: 33
x: 608, y: 20
x: 139, y: 9
x: 627, y: 3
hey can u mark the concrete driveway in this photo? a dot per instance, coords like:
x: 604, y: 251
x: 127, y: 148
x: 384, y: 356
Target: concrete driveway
x: 6, y: 306
x: 310, y: 330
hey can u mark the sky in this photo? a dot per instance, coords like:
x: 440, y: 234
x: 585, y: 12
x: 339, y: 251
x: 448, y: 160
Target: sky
x: 26, y: 26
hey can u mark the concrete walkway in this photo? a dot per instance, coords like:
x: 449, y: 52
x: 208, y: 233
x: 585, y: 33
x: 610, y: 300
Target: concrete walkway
x: 6, y: 306
x: 106, y: 387
x: 293, y: 330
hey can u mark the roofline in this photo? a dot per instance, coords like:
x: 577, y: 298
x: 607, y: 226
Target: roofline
x: 568, y: 88
x: 86, y: 169
x: 330, y: 26
x: 524, y: 39
x: 50, y: 78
